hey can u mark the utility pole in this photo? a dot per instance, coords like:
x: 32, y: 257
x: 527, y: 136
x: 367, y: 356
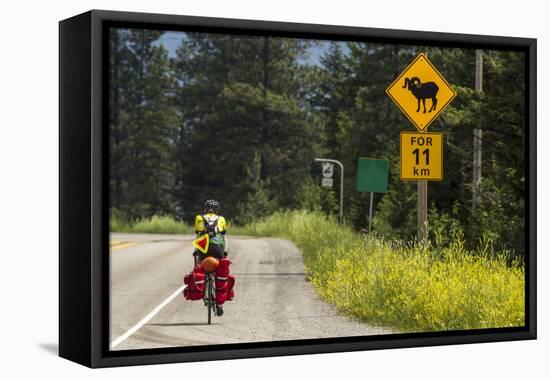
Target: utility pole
x: 478, y: 136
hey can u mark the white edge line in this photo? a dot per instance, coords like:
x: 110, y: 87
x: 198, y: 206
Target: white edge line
x: 148, y: 317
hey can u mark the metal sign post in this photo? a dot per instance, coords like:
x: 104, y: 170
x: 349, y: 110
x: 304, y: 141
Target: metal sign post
x: 370, y: 211
x: 341, y: 183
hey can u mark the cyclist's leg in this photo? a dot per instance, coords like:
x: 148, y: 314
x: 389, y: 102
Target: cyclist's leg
x: 200, y: 256
x: 216, y: 251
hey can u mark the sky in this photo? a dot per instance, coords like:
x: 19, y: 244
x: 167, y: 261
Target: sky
x: 171, y: 41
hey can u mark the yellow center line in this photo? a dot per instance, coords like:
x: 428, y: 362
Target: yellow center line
x: 120, y: 245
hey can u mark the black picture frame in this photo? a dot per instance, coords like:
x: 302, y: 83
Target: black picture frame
x: 83, y: 196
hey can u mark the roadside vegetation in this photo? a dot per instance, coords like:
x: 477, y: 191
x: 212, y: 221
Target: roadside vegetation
x: 432, y: 287
x: 157, y: 224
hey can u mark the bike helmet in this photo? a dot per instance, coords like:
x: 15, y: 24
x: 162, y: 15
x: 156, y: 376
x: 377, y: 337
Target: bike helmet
x: 211, y: 206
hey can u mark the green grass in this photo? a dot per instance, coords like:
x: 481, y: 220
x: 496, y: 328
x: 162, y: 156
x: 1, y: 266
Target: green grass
x: 157, y: 224
x: 409, y: 288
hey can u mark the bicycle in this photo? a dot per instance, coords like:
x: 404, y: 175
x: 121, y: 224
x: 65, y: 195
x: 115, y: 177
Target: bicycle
x: 209, y: 297
x: 210, y: 294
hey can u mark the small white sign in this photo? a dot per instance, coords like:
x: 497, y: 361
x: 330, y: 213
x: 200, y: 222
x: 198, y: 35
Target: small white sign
x: 327, y: 182
x: 328, y: 170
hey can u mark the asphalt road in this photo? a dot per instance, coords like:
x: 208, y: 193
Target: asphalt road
x: 273, y: 299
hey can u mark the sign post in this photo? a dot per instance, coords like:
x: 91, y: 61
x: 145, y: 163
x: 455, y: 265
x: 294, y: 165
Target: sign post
x: 422, y: 204
x: 322, y: 160
x: 370, y: 211
x: 422, y: 152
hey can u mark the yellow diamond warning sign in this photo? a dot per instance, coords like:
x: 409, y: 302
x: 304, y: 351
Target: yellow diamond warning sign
x: 421, y: 92
x: 421, y: 156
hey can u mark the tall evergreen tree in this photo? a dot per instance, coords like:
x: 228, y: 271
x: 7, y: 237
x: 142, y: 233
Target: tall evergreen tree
x: 242, y: 105
x: 143, y: 124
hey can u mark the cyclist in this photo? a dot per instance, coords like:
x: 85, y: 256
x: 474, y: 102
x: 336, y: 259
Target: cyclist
x: 213, y: 224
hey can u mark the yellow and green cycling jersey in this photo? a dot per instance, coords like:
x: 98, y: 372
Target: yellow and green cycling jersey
x: 217, y: 220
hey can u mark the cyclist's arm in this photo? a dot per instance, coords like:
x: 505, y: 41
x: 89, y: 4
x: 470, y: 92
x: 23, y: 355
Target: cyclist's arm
x: 223, y: 230
x: 199, y: 225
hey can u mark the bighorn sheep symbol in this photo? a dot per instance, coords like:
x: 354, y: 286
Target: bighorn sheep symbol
x: 422, y: 91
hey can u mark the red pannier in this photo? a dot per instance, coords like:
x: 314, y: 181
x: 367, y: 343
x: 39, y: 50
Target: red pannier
x: 195, y: 284
x: 224, y: 282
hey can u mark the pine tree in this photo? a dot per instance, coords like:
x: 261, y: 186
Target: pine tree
x: 250, y: 110
x: 142, y: 124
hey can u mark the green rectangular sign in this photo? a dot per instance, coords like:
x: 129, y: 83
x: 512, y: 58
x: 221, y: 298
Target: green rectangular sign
x: 372, y: 175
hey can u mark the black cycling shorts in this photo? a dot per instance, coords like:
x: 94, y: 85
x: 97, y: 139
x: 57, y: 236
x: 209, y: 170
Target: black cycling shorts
x: 214, y: 250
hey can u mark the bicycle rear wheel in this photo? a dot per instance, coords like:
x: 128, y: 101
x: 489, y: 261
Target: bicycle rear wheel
x: 210, y: 299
